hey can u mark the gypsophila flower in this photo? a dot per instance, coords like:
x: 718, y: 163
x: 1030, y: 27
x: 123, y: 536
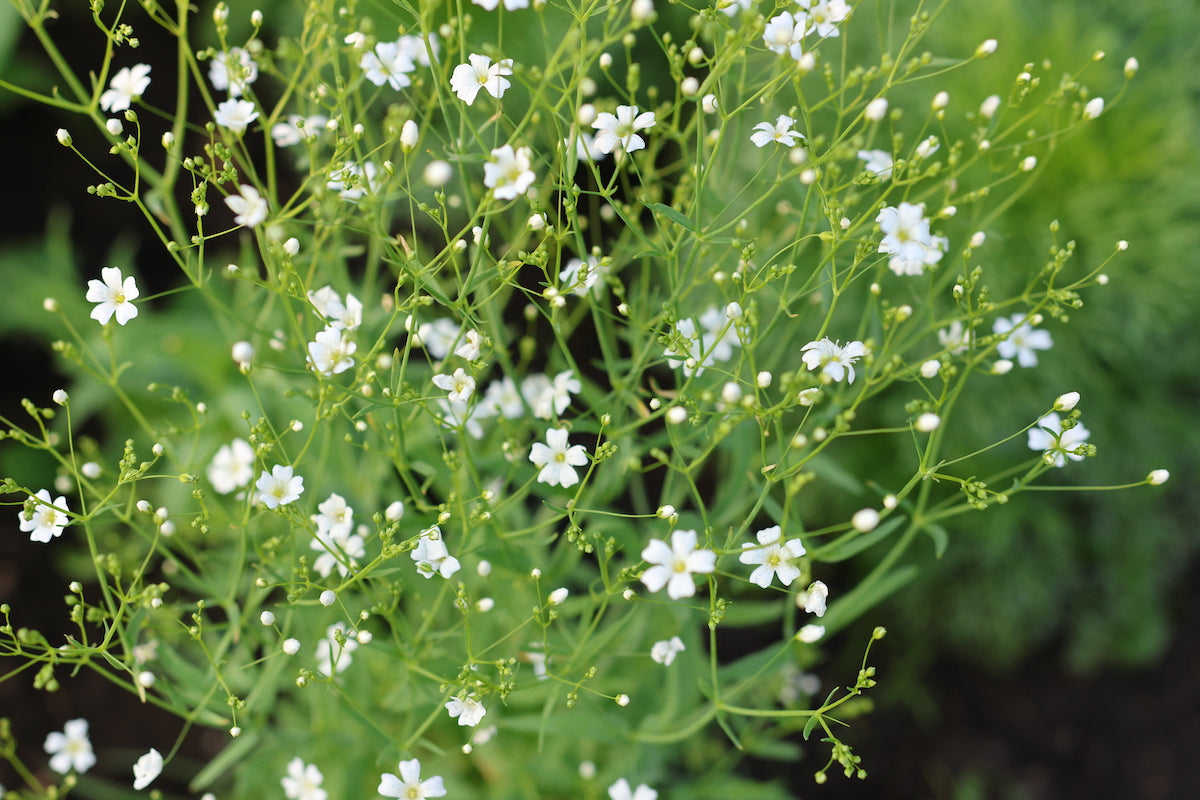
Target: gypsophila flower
x: 664, y: 652
x: 48, y: 519
x: 622, y: 791
x: 783, y: 35
x: 956, y: 339
x: 389, y: 63
x: 236, y: 115
x: 147, y: 768
x: 773, y: 556
x: 620, y: 130
x: 1021, y: 340
x: 331, y: 352
x: 129, y: 84
x: 834, y: 361
x: 338, y: 548
x: 822, y: 16
x: 234, y: 70
x: 813, y: 600
x: 509, y: 5
x: 71, y: 749
x: 408, y: 785
x: 335, y: 517
x: 509, y: 173
x: 580, y: 275
x: 673, y: 565
x: 296, y: 129
x: 431, y: 555
x: 549, y: 398
x: 232, y: 467
x: 811, y: 633
x: 460, y: 385
x: 480, y: 73
x: 333, y: 656
x: 249, y: 206
x: 1057, y: 444
x: 908, y: 240
x: 114, y: 296
x: 279, y: 486
x: 878, y: 162
x: 558, y: 459
x: 780, y: 133
x: 338, y: 314
x: 467, y: 710
x: 303, y: 781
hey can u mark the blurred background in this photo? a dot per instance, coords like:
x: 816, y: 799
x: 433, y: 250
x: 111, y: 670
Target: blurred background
x: 1052, y: 652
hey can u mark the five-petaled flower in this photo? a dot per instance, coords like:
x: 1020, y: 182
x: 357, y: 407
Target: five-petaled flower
x: 279, y: 486
x: 834, y: 361
x: 233, y: 71
x: 664, y: 652
x: 620, y: 130
x: 460, y: 385
x: 672, y: 565
x: 432, y: 556
x: 622, y: 791
x: 1049, y: 436
x: 331, y: 351
x: 232, y: 467
x: 558, y: 459
x: 390, y: 63
x: 781, y: 132
x: 114, y: 296
x: 908, y: 240
x: 303, y: 781
x: 1021, y: 340
x: 127, y: 85
x: 236, y: 115
x: 47, y: 519
x: 249, y: 206
x: 480, y: 73
x: 773, y: 557
x: 408, y: 785
x: 467, y: 710
x: 71, y: 749
x: 509, y: 172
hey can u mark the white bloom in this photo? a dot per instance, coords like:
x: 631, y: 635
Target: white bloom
x: 878, y: 161
x: 236, y: 115
x: 908, y: 240
x: 460, y: 385
x: 114, y: 296
x: 1021, y: 340
x: 834, y: 361
x: 622, y: 791
x: 127, y: 85
x: 388, y: 63
x: 335, y: 517
x: 333, y: 657
x: 1058, y: 445
x: 331, y: 351
x: 821, y: 16
x: 249, y: 206
x: 780, y: 133
x: 1094, y: 108
x: 558, y: 459
x: 956, y: 338
x: 232, y: 467
x: 987, y: 109
x: 48, y: 520
x: 502, y: 397
x: 813, y: 599
x: 431, y: 556
x: 480, y: 73
x: 811, y: 633
x: 408, y: 785
x: 279, y: 486
x: 296, y: 129
x: 773, y: 557
x: 620, y: 130
x: 71, y: 749
x: 303, y: 781
x: 467, y: 710
x: 147, y: 768
x: 509, y: 173
x: 1158, y: 477
x: 664, y: 652
x: 438, y: 336
x: 547, y: 397
x: 672, y: 566
x: 509, y: 5
x: 234, y: 71
x: 580, y: 275
x: 782, y: 35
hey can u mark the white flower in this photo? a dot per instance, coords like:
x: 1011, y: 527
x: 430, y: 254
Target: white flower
x: 338, y: 314
x: 811, y: 633
x: 672, y: 566
x: 463, y: 416
x: 878, y: 161
x: 908, y: 240
x: 782, y: 35
x: 48, y: 520
x: 303, y: 781
x: 114, y: 296
x: 71, y: 749
x: 509, y: 5
x: 127, y: 85
x: 813, y: 599
x: 834, y: 361
x: 388, y: 63
x: 622, y: 791
x: 249, y: 206
x: 558, y: 459
x: 621, y: 130
x: 480, y: 73
x: 296, y: 129
x: 467, y: 710
x: 773, y: 557
x: 470, y: 347
x: 664, y: 652
x: 147, y: 768
x: 333, y: 657
x: 1021, y: 340
x: 236, y: 115
x: 232, y: 467
x: 234, y: 71
x: 409, y: 784
x: 331, y: 351
x: 822, y: 16
x: 338, y: 549
x: 731, y: 7
x: 580, y: 275
x: 547, y: 397
x: 780, y: 133
x: 1057, y: 444
x: 279, y: 486
x: 438, y: 336
x: 509, y: 173
x: 352, y: 181
x: 335, y: 517
x: 460, y: 385
x: 502, y: 397
x: 955, y: 339
x: 1094, y: 108
x: 431, y: 555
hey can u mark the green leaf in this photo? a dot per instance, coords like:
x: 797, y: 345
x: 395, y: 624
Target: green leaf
x: 675, y: 216
x: 853, y: 543
x: 939, y: 536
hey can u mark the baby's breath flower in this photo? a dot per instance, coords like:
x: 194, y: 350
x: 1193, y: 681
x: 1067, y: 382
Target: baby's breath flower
x: 619, y: 131
x: 303, y: 781
x: 509, y: 172
x: 876, y: 109
x: 128, y: 85
x: 864, y: 520
x: 249, y: 206
x: 71, y: 749
x: 1094, y: 108
x: 481, y: 73
x: 147, y: 768
x: 114, y: 296
x: 672, y: 565
x: 1158, y: 477
x: 279, y: 486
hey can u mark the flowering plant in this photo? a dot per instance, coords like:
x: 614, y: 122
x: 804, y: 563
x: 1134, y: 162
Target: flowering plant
x: 598, y: 355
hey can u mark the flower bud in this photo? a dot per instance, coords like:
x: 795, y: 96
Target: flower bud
x: 940, y: 101
x: 864, y: 520
x: 113, y: 126
x: 1131, y: 67
x: 927, y: 422
x: 1066, y: 402
x: 1094, y: 108
x: 60, y: 397
x: 986, y: 48
x: 988, y: 108
x: 876, y: 109
x: 63, y: 137
x: 328, y: 597
x: 709, y: 103
x: 408, y: 136
x: 1158, y: 477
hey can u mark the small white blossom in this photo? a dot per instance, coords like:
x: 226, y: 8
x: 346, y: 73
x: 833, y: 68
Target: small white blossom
x: 431, y: 555
x: 621, y: 790
x: 773, y: 557
x: 408, y: 784
x: 232, y: 467
x: 780, y: 133
x: 48, y: 519
x: 236, y: 115
x: 279, y: 487
x: 467, y: 710
x: 147, y: 768
x: 249, y: 206
x: 672, y: 566
x: 481, y: 73
x: 114, y: 296
x: 664, y: 652
x: 620, y: 130
x: 129, y: 84
x: 509, y: 173
x: 303, y: 781
x: 388, y: 63
x: 1058, y: 445
x: 558, y: 459
x: 460, y: 385
x: 331, y: 351
x: 234, y: 71
x: 813, y: 599
x: 879, y: 162
x: 834, y: 361
x: 71, y: 749
x: 1021, y: 340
